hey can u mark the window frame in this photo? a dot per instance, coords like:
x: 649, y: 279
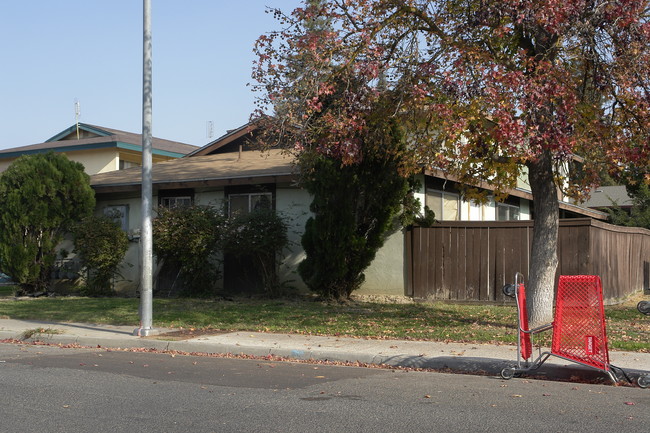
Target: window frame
x: 250, y: 196
x: 165, y: 197
x: 443, y: 195
x: 166, y: 201
x: 510, y: 208
x: 123, y: 209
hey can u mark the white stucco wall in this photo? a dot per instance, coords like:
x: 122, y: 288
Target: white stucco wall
x: 421, y: 194
x: 129, y: 282
x: 386, y: 274
x: 490, y: 210
x: 524, y: 209
x: 522, y: 180
x: 293, y: 204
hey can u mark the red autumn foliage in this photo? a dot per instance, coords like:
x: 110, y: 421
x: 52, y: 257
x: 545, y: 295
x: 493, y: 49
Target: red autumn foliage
x: 489, y: 91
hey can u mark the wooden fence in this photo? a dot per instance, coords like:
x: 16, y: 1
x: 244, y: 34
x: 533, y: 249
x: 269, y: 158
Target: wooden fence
x: 471, y: 261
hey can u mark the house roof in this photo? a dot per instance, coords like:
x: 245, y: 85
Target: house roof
x: 603, y: 197
x: 581, y: 210
x: 219, y: 163
x: 97, y: 137
x: 225, y: 143
x: 203, y: 171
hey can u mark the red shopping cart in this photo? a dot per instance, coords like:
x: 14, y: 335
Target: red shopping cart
x: 525, y: 338
x: 579, y: 333
x: 644, y: 308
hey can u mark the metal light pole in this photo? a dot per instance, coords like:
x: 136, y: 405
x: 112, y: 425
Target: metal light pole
x: 146, y: 277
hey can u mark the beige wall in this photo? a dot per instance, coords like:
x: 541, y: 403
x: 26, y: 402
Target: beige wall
x: 97, y: 160
x: 94, y: 161
x: 5, y: 163
x: 386, y: 274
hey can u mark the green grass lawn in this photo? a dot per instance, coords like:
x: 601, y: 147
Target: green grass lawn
x: 627, y: 329
x: 6, y: 290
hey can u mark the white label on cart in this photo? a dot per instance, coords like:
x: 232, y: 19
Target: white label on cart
x: 590, y: 344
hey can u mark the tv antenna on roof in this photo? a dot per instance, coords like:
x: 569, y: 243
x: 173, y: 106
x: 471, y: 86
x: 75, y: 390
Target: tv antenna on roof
x: 209, y: 129
x: 77, y: 114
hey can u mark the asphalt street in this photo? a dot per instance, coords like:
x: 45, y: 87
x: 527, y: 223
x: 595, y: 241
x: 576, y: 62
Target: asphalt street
x: 48, y: 388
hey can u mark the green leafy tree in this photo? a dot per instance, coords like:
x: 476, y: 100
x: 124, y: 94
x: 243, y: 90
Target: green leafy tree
x: 187, y: 239
x: 101, y: 245
x: 42, y: 197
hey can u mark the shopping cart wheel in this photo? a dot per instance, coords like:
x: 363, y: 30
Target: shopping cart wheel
x: 643, y: 307
x: 509, y: 373
x: 643, y: 381
x: 509, y: 290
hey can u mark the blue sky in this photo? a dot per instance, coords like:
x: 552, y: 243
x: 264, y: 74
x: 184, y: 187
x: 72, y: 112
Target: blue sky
x: 54, y: 52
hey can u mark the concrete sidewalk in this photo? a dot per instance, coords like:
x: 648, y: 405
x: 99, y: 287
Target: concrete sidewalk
x: 450, y: 357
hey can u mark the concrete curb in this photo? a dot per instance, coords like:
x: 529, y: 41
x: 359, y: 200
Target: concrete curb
x: 447, y: 357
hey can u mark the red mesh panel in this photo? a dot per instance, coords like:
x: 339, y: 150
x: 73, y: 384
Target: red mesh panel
x: 579, y: 326
x: 524, y: 338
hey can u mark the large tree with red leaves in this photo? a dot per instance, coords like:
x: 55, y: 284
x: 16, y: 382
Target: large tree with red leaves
x: 489, y: 91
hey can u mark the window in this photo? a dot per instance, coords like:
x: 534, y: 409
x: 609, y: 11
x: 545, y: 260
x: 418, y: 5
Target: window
x: 123, y: 165
x: 119, y: 214
x: 507, y: 212
x: 444, y: 204
x: 173, y: 202
x: 175, y: 198
x: 245, y: 203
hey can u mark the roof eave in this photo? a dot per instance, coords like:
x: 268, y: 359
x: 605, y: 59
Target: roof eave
x: 63, y: 149
x: 73, y: 128
x: 228, y: 137
x: 138, y: 148
x: 196, y: 182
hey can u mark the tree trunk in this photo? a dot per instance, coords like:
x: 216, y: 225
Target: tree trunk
x: 543, y: 263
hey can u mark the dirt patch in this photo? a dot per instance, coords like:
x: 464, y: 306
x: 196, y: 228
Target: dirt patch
x: 382, y: 299
x: 187, y: 334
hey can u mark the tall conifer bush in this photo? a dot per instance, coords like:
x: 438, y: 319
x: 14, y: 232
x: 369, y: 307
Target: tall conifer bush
x: 354, y: 206
x: 42, y: 197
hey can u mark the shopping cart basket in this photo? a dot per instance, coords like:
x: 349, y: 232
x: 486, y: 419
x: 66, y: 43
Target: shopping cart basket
x: 578, y: 327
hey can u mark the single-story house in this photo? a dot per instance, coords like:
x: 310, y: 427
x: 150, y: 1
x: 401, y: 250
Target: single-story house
x: 229, y: 171
x: 99, y: 149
